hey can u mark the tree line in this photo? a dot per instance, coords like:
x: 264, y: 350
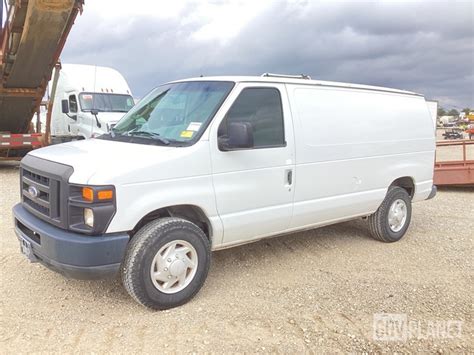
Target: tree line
x: 452, y: 112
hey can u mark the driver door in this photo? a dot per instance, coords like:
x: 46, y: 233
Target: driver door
x: 254, y: 187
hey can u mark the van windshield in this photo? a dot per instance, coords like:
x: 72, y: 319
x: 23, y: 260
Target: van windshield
x: 173, y: 113
x: 105, y: 102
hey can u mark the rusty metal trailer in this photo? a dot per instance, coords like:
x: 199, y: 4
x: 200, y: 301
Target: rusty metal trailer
x: 31, y: 41
x: 454, y: 172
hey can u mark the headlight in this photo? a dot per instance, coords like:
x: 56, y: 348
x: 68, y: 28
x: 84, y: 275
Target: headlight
x: 89, y: 217
x: 91, y: 208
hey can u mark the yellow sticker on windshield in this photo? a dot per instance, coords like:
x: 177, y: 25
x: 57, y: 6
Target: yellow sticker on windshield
x: 186, y: 134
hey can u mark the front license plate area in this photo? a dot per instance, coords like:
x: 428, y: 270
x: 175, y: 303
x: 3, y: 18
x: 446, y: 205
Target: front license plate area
x: 26, y: 249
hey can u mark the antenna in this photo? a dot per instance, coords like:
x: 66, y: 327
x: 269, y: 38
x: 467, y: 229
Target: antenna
x: 94, y: 111
x: 300, y: 76
x: 94, y: 90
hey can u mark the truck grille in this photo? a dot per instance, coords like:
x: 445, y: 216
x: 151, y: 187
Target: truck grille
x: 44, y: 189
x: 36, y: 177
x: 37, y: 192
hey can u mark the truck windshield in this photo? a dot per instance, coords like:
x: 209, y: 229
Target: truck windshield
x: 173, y: 113
x: 105, y: 102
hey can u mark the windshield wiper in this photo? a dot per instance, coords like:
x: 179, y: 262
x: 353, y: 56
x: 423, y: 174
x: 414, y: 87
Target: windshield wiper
x: 149, y: 134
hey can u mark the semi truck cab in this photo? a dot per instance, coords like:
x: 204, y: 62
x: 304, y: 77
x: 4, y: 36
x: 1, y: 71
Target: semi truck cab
x: 88, y: 102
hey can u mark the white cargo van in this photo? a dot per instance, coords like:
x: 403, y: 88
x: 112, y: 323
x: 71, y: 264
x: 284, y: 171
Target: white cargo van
x: 210, y: 163
x: 89, y: 100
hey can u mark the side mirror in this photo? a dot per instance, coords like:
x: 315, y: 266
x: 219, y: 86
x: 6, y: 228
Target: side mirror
x: 240, y: 135
x: 65, y: 106
x: 95, y: 112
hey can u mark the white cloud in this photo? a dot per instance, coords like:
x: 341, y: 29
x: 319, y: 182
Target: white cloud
x: 112, y: 10
x: 422, y: 46
x: 221, y: 20
x: 224, y: 20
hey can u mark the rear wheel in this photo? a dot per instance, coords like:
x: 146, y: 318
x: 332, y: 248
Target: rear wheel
x: 391, y: 220
x: 166, y: 263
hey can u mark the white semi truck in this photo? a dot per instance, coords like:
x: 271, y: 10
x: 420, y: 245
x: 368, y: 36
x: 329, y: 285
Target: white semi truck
x: 89, y: 100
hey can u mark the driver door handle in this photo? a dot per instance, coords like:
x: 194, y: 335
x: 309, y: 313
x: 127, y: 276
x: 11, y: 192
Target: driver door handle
x: 289, y: 177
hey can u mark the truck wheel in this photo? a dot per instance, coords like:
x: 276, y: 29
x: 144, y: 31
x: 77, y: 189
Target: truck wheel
x: 166, y: 263
x: 391, y: 220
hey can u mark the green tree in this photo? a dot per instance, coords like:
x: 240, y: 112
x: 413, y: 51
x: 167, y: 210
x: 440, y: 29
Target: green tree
x: 466, y: 110
x: 441, y: 111
x: 453, y: 112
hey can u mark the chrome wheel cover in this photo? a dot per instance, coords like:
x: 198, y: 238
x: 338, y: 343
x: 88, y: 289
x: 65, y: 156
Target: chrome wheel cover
x: 397, y: 215
x: 174, y: 266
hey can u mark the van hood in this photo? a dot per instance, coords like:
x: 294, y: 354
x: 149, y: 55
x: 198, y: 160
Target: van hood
x: 97, y: 161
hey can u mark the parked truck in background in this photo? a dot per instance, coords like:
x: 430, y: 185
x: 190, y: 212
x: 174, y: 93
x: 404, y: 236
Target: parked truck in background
x: 89, y: 100
x: 470, y: 126
x: 470, y: 129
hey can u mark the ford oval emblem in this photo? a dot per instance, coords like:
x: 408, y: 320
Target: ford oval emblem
x: 33, y: 191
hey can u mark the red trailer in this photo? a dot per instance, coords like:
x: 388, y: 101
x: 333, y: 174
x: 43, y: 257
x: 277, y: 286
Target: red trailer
x: 458, y: 171
x: 31, y: 41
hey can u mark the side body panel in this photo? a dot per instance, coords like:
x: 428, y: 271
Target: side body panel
x: 60, y: 123
x: 351, y: 145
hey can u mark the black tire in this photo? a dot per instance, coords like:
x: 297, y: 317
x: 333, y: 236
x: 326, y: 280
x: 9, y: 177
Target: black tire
x: 135, y: 269
x: 378, y: 222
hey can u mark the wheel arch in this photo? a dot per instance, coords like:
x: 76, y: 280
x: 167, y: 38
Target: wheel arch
x: 191, y: 213
x: 405, y: 182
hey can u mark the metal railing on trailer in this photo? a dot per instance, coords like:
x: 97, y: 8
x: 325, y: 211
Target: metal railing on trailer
x: 23, y: 82
x: 454, y: 171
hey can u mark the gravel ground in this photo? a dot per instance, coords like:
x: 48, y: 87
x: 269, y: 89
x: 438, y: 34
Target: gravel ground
x: 314, y: 291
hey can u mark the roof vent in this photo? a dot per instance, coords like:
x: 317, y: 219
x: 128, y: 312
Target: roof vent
x: 300, y: 76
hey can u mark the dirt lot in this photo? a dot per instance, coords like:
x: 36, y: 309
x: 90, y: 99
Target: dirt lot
x: 314, y: 291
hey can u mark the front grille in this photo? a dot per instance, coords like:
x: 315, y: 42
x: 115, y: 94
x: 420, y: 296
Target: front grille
x: 36, y: 177
x: 41, y: 209
x: 44, y: 189
x: 36, y: 192
x: 41, y: 194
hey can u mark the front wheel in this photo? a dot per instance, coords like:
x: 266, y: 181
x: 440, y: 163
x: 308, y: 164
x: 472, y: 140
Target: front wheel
x: 391, y: 220
x: 166, y: 263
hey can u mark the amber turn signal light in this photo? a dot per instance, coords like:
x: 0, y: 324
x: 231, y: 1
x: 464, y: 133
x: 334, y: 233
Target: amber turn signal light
x: 105, y: 195
x: 88, y: 194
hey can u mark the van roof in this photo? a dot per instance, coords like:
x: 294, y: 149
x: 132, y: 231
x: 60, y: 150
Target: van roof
x: 299, y: 81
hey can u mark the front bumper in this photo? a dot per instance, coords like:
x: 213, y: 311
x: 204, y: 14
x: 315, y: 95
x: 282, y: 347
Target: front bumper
x: 72, y: 254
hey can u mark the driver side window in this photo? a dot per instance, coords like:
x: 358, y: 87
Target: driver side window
x: 72, y: 103
x: 262, y: 109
